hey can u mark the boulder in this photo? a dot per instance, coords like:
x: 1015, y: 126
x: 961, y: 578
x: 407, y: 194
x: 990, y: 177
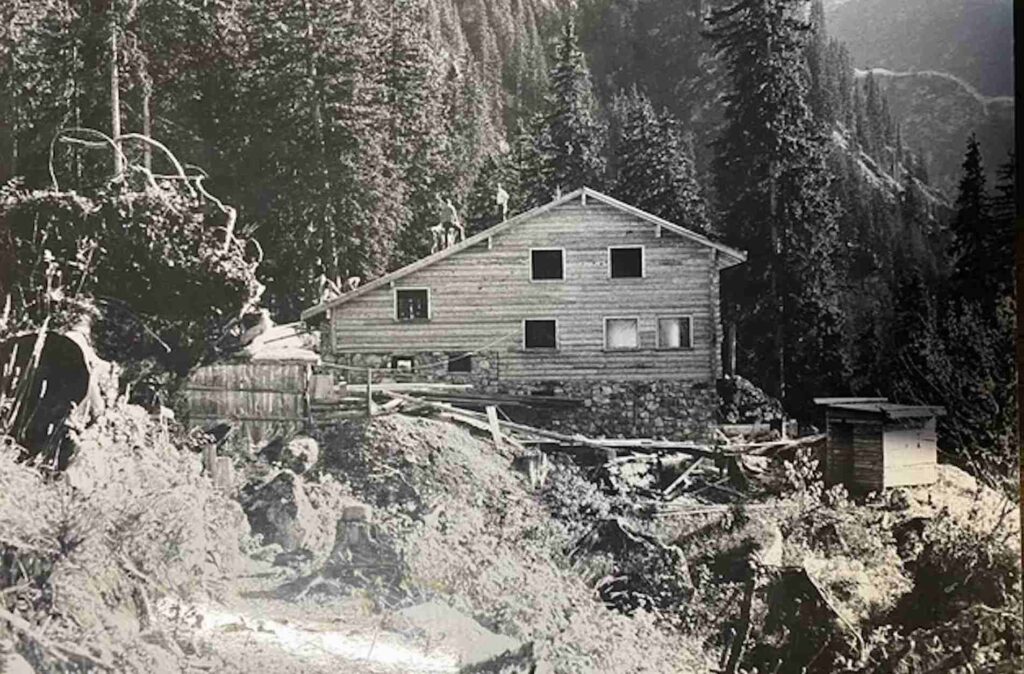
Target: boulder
x: 452, y: 633
x: 13, y: 663
x: 522, y: 661
x: 301, y: 454
x: 281, y: 512
x: 770, y: 547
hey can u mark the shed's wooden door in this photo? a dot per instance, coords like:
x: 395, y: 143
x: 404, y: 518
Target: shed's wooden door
x: 840, y: 453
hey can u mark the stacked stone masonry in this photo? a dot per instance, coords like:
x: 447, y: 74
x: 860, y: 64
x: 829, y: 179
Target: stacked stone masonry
x: 669, y: 409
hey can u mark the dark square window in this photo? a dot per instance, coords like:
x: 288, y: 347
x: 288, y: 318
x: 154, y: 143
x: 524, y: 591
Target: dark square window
x: 460, y: 362
x: 541, y: 335
x: 411, y: 305
x: 627, y: 262
x: 547, y: 265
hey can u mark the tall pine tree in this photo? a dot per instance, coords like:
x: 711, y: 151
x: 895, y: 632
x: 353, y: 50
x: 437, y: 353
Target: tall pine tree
x: 571, y: 140
x: 654, y: 165
x: 976, y: 240
x: 772, y: 185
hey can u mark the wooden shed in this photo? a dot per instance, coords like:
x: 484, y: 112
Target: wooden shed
x: 874, y: 444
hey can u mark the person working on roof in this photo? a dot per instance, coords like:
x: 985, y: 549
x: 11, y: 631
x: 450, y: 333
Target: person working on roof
x: 454, y: 231
x: 448, y: 230
x: 501, y: 199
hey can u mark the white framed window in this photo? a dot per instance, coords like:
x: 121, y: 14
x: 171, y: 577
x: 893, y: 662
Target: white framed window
x: 402, y: 363
x: 547, y: 264
x: 675, y: 332
x: 626, y: 262
x: 540, y: 333
x: 412, y: 304
x: 622, y: 333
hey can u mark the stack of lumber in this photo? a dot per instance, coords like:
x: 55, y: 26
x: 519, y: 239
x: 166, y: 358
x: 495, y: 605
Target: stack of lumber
x: 709, y: 473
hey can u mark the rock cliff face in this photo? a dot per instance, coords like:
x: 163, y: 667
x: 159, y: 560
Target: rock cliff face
x: 937, y: 112
x: 970, y: 39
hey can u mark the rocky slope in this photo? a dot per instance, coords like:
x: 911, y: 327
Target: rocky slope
x: 970, y: 39
x: 937, y: 112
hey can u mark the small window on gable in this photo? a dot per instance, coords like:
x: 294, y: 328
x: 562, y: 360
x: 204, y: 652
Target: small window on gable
x: 547, y: 264
x: 402, y: 363
x: 540, y: 334
x: 412, y: 304
x: 460, y: 362
x: 675, y: 332
x: 621, y: 333
x: 626, y: 262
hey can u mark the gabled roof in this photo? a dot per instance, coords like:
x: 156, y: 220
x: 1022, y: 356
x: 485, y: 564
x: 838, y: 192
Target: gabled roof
x: 731, y: 256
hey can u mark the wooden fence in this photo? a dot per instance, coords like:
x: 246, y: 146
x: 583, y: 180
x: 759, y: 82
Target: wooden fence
x: 262, y: 400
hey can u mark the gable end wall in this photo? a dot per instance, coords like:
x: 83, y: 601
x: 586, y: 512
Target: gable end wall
x: 480, y: 297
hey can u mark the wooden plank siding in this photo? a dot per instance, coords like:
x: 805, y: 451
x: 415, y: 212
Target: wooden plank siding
x: 868, y: 458
x: 911, y: 453
x: 481, y: 295
x: 262, y: 400
x: 856, y: 457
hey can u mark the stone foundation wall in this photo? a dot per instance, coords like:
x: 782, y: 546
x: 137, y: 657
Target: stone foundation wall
x: 673, y: 410
x: 670, y: 409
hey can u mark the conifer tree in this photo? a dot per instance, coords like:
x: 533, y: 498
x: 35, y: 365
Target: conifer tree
x: 654, y: 166
x: 820, y: 94
x: 571, y: 140
x: 973, y: 231
x: 482, y: 211
x: 331, y: 188
x: 1004, y: 211
x: 526, y: 185
x: 773, y: 188
x: 913, y: 352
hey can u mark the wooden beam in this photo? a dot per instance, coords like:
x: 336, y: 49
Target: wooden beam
x: 684, y: 477
x: 467, y: 420
x: 528, y: 430
x: 492, y: 419
x: 403, y: 386
x: 369, y: 392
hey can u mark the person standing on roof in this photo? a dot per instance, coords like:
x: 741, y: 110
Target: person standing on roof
x: 501, y: 199
x: 454, y: 231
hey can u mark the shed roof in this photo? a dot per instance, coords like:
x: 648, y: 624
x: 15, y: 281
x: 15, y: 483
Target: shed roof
x: 890, y: 411
x: 732, y: 256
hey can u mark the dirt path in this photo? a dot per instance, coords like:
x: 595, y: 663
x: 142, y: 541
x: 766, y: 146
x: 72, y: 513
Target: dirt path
x: 257, y: 631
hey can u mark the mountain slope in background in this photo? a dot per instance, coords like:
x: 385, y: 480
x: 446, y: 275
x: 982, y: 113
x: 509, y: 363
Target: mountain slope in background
x: 972, y: 39
x: 937, y: 112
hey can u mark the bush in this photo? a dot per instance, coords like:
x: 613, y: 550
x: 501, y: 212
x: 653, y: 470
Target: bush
x: 86, y: 551
x: 960, y: 567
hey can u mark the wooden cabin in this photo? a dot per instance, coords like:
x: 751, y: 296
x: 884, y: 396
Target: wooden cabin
x: 874, y: 444
x: 582, y: 288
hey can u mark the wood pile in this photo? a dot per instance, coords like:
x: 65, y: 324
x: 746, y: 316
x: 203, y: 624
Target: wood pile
x: 703, y: 474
